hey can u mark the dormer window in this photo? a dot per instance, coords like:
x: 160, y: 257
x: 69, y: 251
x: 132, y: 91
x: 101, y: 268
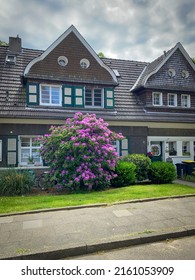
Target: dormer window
x: 11, y: 59
x: 172, y: 99
x: 157, y: 98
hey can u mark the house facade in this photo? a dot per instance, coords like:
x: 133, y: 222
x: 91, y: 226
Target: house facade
x: 151, y: 104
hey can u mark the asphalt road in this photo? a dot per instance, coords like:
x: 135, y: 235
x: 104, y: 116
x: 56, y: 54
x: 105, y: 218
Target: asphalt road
x: 173, y: 249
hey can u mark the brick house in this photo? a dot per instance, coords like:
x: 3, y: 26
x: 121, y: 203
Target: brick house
x: 152, y: 104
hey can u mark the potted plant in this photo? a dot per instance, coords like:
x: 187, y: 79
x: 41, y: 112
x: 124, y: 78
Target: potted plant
x: 30, y: 160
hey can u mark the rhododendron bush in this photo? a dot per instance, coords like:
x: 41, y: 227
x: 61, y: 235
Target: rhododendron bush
x: 80, y: 153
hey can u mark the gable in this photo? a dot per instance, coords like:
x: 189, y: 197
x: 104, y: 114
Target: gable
x: 74, y: 48
x: 175, y: 73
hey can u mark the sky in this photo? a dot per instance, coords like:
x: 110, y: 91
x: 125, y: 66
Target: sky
x: 126, y: 29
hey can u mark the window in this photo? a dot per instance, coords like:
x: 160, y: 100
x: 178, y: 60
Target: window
x: 30, y: 151
x: 157, y: 98
x: 0, y: 150
x: 172, y: 99
x: 186, y: 148
x: 172, y: 148
x: 84, y: 63
x: 11, y: 59
x: 50, y: 95
x: 93, y: 97
x: 185, y: 100
x: 62, y: 61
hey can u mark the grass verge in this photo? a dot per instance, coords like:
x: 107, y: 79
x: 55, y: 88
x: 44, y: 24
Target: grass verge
x: 26, y: 203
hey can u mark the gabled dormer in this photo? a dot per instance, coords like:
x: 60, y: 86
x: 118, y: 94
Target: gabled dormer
x: 168, y: 82
x: 70, y: 74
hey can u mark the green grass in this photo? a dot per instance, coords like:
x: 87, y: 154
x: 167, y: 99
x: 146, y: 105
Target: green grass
x: 25, y: 203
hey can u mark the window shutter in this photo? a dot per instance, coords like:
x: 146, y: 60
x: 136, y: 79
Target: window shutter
x: 72, y: 96
x: 67, y: 96
x: 12, y: 151
x: 109, y: 98
x: 124, y: 147
x: 79, y: 97
x: 32, y: 94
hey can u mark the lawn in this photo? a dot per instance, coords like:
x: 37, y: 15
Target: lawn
x: 33, y: 202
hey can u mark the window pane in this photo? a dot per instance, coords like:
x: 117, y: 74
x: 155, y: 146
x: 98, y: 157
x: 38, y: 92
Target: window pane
x: 157, y: 98
x: 172, y: 99
x: 45, y: 94
x: 88, y: 97
x: 55, y: 95
x: 185, y: 100
x: 186, y: 148
x: 25, y: 154
x: 25, y: 142
x: 36, y: 155
x: 172, y: 148
x: 35, y: 142
x: 97, y: 97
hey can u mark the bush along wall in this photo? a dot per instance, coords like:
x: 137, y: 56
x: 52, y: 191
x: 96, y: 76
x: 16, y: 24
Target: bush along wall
x: 162, y: 172
x: 125, y: 174
x: 142, y: 163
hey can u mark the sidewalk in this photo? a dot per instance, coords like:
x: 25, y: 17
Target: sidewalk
x: 65, y: 233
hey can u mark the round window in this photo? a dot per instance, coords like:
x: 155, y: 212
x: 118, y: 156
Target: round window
x: 62, y: 61
x: 84, y: 63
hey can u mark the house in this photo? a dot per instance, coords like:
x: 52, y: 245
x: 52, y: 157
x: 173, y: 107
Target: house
x: 152, y: 104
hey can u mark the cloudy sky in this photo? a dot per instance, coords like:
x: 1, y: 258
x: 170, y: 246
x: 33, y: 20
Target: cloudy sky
x: 126, y: 29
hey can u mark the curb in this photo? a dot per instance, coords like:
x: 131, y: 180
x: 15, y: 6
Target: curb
x: 93, y: 205
x: 107, y: 245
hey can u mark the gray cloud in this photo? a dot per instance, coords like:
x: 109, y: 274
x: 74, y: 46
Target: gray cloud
x: 127, y: 29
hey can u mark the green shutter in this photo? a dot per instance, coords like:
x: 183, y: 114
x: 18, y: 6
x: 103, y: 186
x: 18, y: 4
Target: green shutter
x: 109, y: 98
x: 72, y: 96
x: 78, y: 96
x: 32, y: 94
x: 67, y: 96
x: 12, y: 151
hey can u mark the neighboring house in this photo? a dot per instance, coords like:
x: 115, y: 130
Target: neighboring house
x: 152, y: 104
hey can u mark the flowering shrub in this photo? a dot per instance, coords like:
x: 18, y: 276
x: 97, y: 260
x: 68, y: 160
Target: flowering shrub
x: 80, y: 153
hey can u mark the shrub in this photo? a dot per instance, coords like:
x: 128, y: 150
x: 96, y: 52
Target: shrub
x: 142, y: 163
x: 15, y: 182
x: 125, y: 174
x: 80, y: 153
x: 162, y: 172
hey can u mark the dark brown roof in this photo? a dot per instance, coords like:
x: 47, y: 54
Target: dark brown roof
x: 127, y: 104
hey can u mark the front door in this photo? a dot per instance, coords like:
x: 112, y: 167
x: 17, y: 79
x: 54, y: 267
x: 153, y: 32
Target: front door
x: 156, y: 149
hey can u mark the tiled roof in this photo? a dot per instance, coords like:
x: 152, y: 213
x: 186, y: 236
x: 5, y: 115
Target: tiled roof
x: 127, y: 105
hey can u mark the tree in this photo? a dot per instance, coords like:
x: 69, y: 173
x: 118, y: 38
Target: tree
x: 80, y: 153
x: 101, y: 55
x: 193, y: 59
x: 3, y: 43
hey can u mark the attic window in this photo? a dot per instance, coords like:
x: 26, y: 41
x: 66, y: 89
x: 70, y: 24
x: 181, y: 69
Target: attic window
x: 62, y: 61
x: 116, y: 72
x: 11, y: 59
x: 171, y: 72
x: 185, y: 74
x: 84, y: 63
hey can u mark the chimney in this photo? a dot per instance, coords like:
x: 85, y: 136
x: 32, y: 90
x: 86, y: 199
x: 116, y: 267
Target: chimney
x: 15, y: 44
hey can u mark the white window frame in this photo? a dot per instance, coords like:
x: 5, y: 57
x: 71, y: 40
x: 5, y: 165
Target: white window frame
x: 159, y: 94
x: 174, y: 95
x: 183, y: 101
x: 0, y: 150
x: 93, y: 97
x: 23, y: 163
x: 50, y: 95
